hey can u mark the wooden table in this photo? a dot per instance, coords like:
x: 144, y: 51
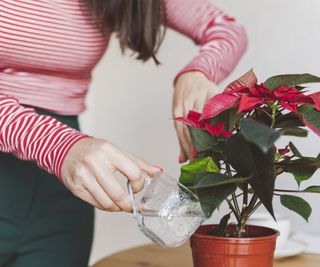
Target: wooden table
x: 154, y: 256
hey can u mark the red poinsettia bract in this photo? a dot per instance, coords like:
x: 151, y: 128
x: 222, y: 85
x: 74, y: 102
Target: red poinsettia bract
x: 194, y: 119
x: 248, y: 98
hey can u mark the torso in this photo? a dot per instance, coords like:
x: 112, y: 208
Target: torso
x: 48, y: 49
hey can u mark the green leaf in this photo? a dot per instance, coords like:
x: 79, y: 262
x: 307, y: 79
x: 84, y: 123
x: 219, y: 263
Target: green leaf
x: 223, y: 225
x: 294, y: 150
x: 234, y: 117
x: 290, y: 80
x: 288, y: 120
x: 296, y: 131
x: 261, y: 115
x: 201, y: 140
x: 304, y: 108
x: 304, y: 162
x: 312, y: 116
x: 249, y: 161
x: 300, y: 174
x: 312, y: 189
x: 228, y: 117
x: 296, y: 204
x: 290, y: 124
x: 190, y: 171
x: 302, y: 169
x: 211, y: 198
x: 206, y: 180
x: 218, y: 147
x: 261, y: 135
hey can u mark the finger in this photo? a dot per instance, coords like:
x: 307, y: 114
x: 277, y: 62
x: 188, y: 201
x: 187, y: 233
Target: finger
x: 178, y: 112
x: 183, y: 140
x: 151, y: 170
x: 93, y: 188
x: 187, y: 137
x: 189, y: 142
x: 198, y: 106
x: 109, y: 187
x: 200, y: 101
x: 131, y: 170
x: 182, y: 156
x: 87, y: 197
x: 99, y: 194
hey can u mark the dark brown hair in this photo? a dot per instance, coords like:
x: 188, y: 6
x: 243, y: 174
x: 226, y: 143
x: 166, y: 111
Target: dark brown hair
x: 137, y: 23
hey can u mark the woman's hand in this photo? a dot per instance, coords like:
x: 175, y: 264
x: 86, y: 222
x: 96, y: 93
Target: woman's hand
x: 191, y: 92
x: 88, y: 172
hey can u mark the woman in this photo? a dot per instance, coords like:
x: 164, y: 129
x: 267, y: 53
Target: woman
x: 48, y: 49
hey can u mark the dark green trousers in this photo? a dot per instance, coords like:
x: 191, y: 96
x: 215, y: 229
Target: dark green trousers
x: 41, y: 223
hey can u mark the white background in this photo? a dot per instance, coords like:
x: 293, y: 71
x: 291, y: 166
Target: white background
x: 130, y: 103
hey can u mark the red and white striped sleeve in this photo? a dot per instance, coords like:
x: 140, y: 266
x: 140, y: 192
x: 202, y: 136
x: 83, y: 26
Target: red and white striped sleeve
x: 222, y: 39
x: 34, y: 137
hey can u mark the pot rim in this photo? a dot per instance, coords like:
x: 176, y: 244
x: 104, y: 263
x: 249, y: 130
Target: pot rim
x: 198, y: 235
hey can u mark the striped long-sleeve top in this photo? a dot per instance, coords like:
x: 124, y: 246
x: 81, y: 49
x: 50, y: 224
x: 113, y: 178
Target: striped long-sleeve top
x: 48, y: 49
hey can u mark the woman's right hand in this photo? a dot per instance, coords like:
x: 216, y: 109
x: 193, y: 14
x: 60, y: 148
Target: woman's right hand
x: 88, y: 172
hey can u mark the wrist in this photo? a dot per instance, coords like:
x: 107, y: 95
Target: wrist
x: 65, y: 149
x: 188, y: 70
x: 189, y: 76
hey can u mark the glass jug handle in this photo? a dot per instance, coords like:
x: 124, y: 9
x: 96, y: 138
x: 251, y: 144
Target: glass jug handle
x: 147, y: 181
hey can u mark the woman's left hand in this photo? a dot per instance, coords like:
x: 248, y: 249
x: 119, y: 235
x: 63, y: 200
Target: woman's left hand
x: 191, y: 92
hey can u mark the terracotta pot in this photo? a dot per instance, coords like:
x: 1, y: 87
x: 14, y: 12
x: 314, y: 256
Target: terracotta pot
x: 256, y: 250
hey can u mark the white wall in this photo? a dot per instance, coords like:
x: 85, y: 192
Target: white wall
x: 129, y: 102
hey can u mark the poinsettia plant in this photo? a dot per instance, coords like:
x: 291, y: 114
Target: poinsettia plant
x: 237, y: 158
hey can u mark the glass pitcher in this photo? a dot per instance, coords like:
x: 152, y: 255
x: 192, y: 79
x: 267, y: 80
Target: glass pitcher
x: 167, y: 212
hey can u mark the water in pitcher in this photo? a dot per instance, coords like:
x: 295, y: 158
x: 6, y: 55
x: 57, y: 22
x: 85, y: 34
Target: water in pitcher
x: 174, y: 229
x: 167, y: 212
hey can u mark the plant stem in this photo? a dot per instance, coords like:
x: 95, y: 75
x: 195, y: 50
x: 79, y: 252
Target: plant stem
x: 228, y: 169
x: 289, y: 191
x: 265, y: 112
x: 245, y: 195
x: 249, y: 114
x: 234, y: 198
x: 233, y: 210
x: 255, y: 208
x: 253, y: 201
x: 245, y: 215
x: 273, y: 116
x: 241, y: 225
x: 245, y: 198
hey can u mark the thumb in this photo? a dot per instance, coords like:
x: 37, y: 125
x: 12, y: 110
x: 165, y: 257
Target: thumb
x: 182, y: 156
x: 150, y: 169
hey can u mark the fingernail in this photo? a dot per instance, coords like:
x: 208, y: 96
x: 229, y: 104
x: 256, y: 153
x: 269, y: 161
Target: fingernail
x: 180, y: 159
x: 160, y: 168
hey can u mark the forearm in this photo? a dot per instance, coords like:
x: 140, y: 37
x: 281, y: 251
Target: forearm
x: 34, y: 137
x: 221, y: 39
x: 219, y: 52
